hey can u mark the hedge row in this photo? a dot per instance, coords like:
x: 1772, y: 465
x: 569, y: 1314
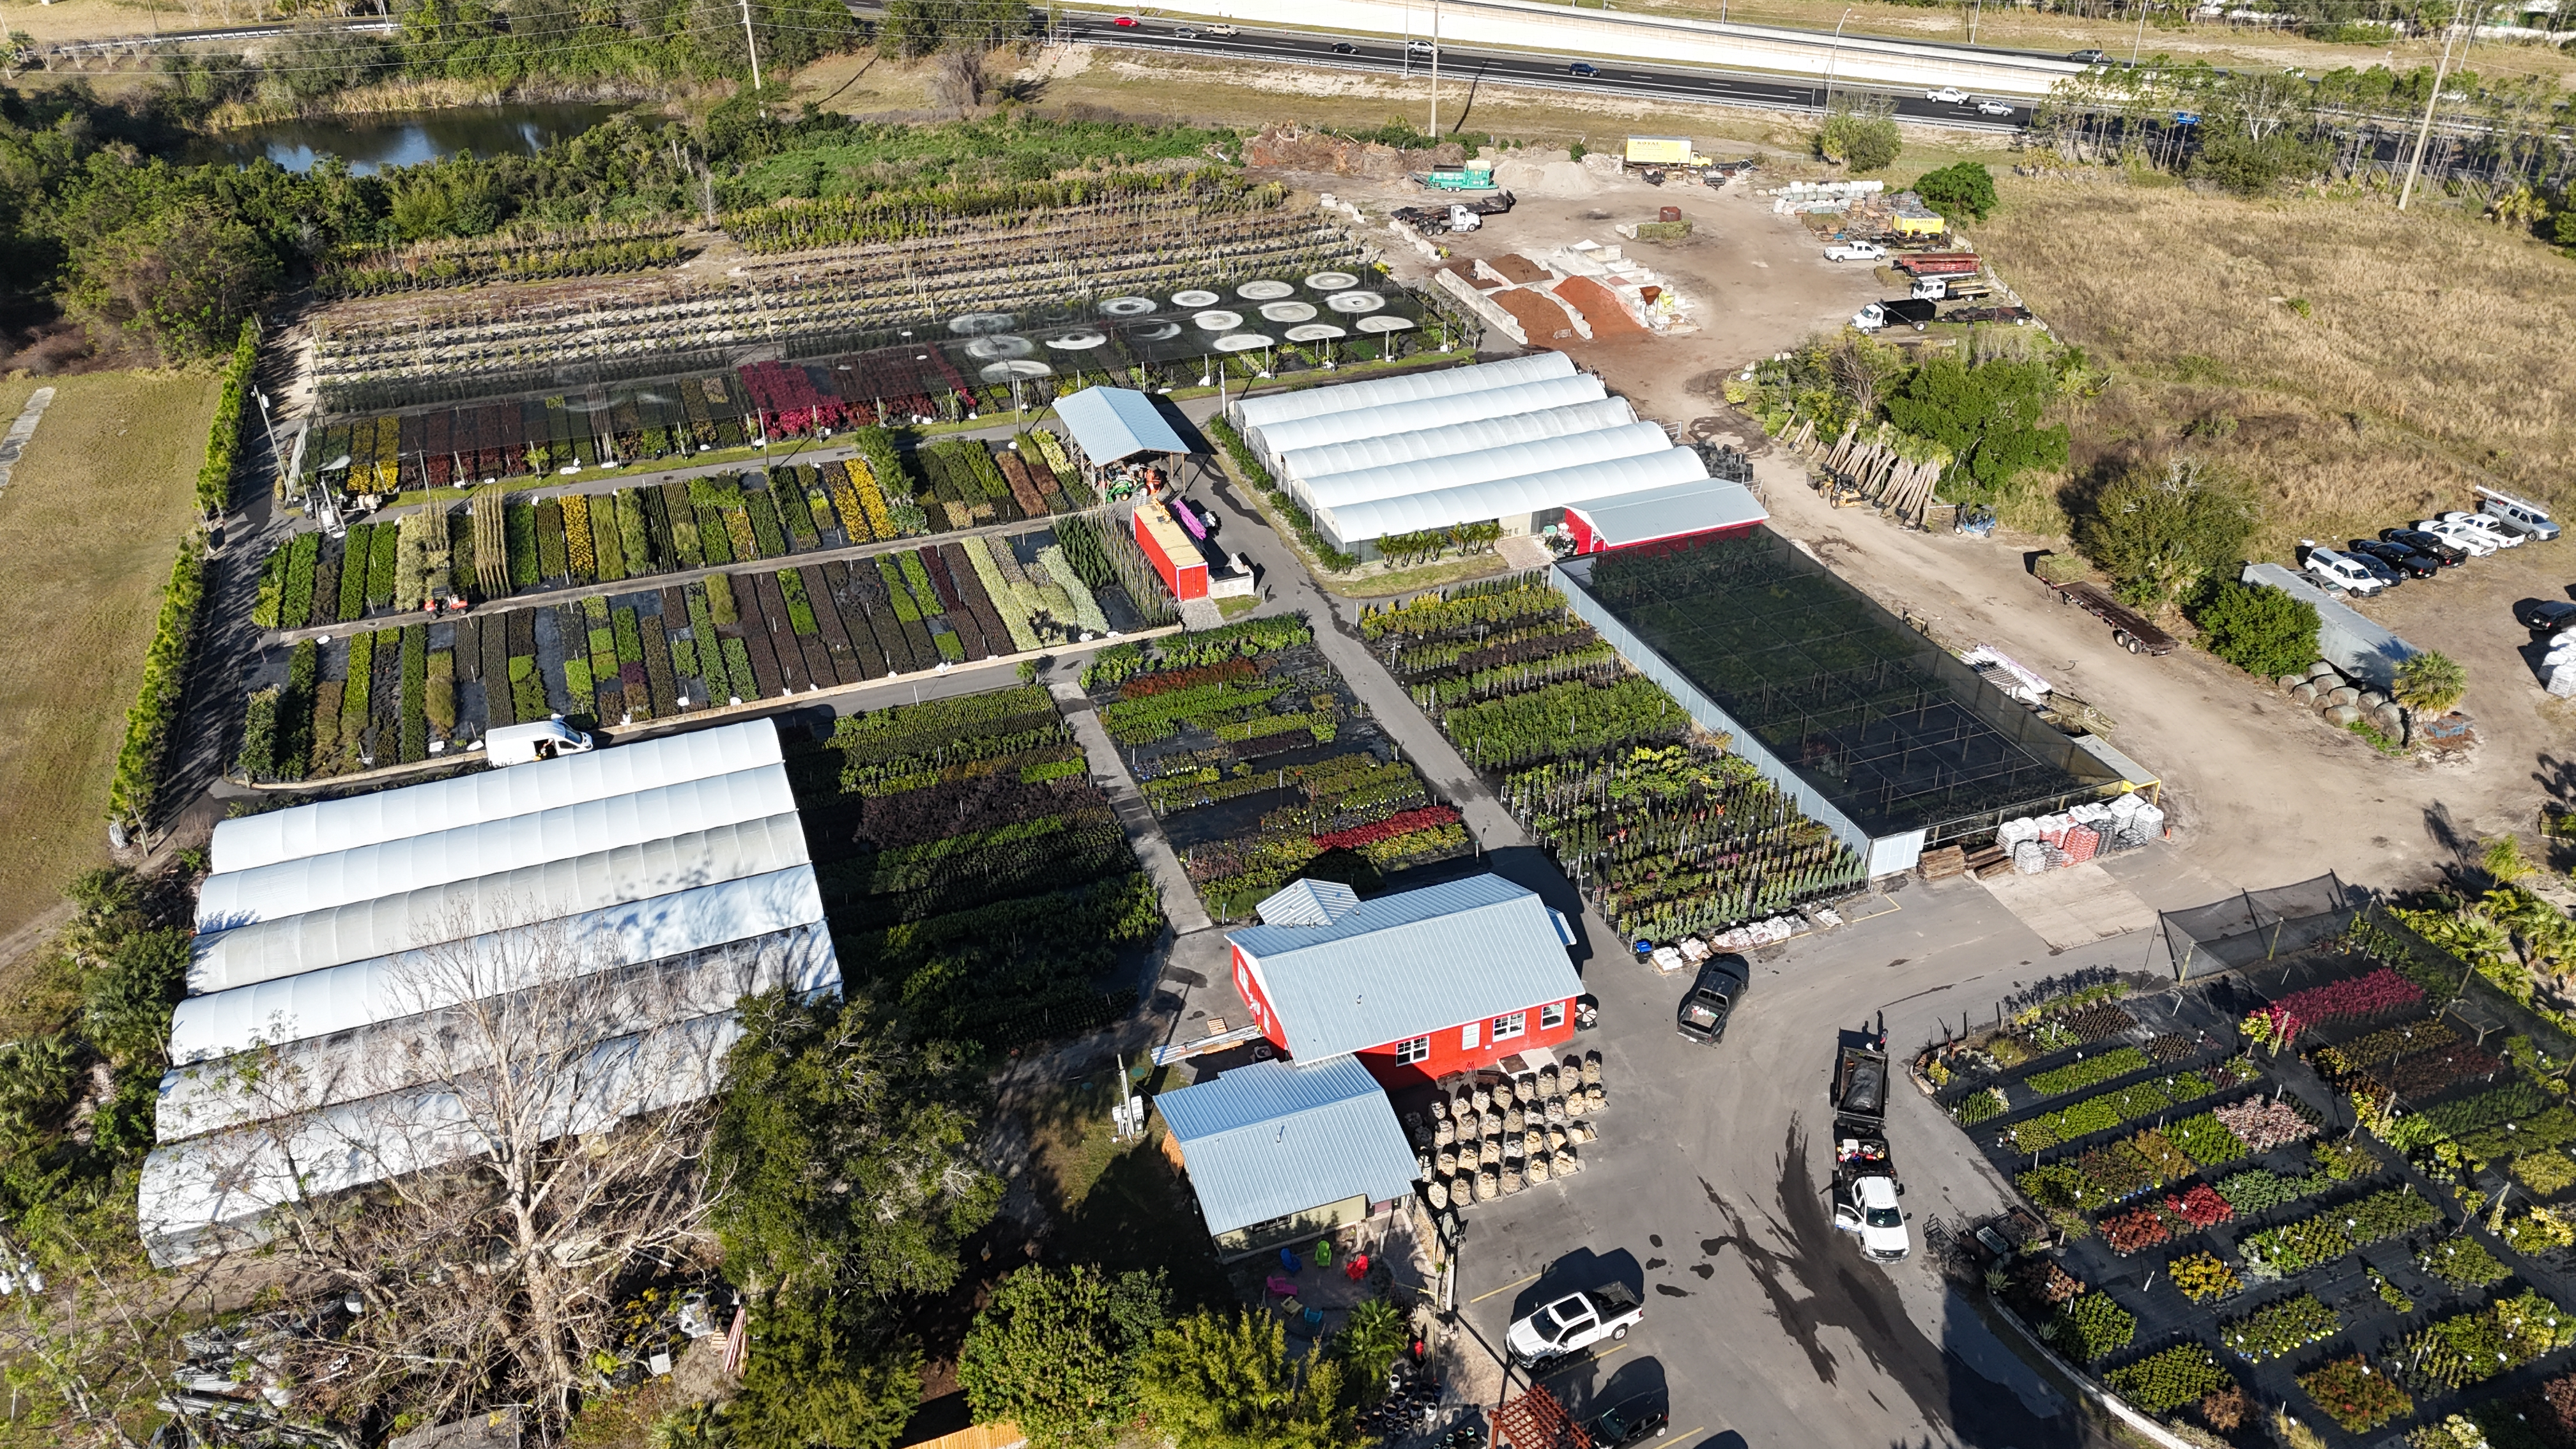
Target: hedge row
x: 223, y: 442
x: 156, y: 704
x: 1298, y: 518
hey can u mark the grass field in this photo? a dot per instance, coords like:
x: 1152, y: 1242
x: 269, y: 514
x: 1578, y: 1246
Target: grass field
x: 2364, y: 364
x: 88, y: 528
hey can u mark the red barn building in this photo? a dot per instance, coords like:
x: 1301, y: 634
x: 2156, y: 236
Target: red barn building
x: 1417, y: 985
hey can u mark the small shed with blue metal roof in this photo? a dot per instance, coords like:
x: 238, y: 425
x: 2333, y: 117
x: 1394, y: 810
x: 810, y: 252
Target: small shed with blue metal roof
x: 1281, y: 1151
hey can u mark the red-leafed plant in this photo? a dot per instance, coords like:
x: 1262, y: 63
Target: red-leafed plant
x: 1426, y: 818
x: 2200, y: 1206
x: 2135, y: 1229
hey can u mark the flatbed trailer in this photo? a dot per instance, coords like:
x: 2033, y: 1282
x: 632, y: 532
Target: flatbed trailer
x: 2129, y: 629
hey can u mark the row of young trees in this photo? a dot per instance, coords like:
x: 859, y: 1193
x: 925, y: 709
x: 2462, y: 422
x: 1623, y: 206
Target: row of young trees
x: 2250, y: 130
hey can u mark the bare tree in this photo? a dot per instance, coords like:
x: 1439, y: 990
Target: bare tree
x: 525, y: 1137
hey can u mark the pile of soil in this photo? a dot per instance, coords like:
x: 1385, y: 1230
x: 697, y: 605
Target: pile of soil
x: 1294, y: 148
x: 1609, y: 321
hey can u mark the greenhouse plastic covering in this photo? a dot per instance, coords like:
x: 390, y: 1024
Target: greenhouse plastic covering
x: 1472, y: 437
x: 1262, y: 412
x: 489, y: 847
x: 357, y: 993
x: 410, y: 1051
x: 1684, y: 508
x: 289, y: 945
x: 1519, y: 460
x: 259, y: 840
x: 1508, y: 497
x: 209, y: 1194
x: 1406, y: 417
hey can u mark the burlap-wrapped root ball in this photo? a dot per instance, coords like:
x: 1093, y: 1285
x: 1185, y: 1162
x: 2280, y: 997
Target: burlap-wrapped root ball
x: 1437, y: 1194
x: 1447, y: 1162
x: 1594, y: 1099
x: 1445, y: 1132
x: 1537, y: 1170
x: 1555, y: 1142
x: 1439, y: 1108
x: 1567, y: 1164
x: 1546, y: 1083
x: 1592, y: 1069
x: 1492, y: 1122
x: 1580, y: 1132
x: 1484, y: 1100
x: 1514, y: 1120
x: 1489, y: 1184
x: 1512, y: 1150
x: 1511, y: 1178
x: 1491, y: 1152
x: 1577, y: 1103
x: 1505, y: 1092
x: 1556, y: 1111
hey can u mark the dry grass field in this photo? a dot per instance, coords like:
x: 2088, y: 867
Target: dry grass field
x: 88, y: 528
x: 2364, y: 364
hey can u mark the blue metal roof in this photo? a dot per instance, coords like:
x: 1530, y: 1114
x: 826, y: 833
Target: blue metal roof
x: 1274, y: 1138
x: 1409, y: 964
x: 1117, y: 422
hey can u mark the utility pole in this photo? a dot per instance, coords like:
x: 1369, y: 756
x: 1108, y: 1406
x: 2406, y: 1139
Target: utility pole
x: 2425, y: 128
x: 753, y: 42
x: 1831, y: 56
x: 1435, y: 72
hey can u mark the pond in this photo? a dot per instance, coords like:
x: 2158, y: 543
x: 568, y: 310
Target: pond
x: 369, y: 143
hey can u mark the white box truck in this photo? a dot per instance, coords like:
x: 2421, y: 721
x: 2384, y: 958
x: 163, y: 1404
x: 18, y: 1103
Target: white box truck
x: 546, y: 739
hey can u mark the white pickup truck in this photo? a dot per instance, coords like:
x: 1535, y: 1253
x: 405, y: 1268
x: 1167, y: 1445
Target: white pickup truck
x: 1573, y: 1323
x: 1855, y: 251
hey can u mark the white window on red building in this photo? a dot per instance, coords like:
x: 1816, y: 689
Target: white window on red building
x: 1507, y: 1027
x: 1551, y: 1016
x: 1416, y: 1050
x: 1467, y: 1036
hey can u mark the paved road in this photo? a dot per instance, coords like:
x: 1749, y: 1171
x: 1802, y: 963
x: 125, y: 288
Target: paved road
x: 1617, y: 75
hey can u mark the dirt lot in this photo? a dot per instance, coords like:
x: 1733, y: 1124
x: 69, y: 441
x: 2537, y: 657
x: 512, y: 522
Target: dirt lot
x: 87, y: 529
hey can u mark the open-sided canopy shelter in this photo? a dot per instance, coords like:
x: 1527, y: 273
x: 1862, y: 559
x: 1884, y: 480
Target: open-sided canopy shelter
x: 1113, y: 424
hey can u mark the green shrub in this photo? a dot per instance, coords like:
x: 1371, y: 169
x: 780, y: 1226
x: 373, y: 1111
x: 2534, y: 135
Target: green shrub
x: 156, y: 703
x: 2159, y: 531
x: 1966, y: 189
x: 2260, y: 630
x: 2091, y: 1325
x: 1859, y: 136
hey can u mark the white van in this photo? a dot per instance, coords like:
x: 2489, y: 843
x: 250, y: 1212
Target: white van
x: 2519, y: 514
x: 2335, y: 571
x: 546, y: 739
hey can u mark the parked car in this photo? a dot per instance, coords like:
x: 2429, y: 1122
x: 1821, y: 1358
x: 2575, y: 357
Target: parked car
x: 2438, y: 550
x: 1992, y: 107
x: 1855, y: 251
x: 2377, y: 568
x: 1722, y: 982
x: 2473, y: 541
x: 2485, y: 526
x: 2089, y: 57
x: 1948, y: 96
x: 2545, y: 616
x: 1633, y: 1421
x: 2517, y: 513
x: 1574, y: 1322
x: 2397, y: 556
x: 2337, y: 572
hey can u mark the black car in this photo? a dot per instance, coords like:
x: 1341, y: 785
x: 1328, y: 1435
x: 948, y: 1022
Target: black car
x: 1632, y: 1422
x: 2448, y: 555
x: 1583, y: 68
x: 1722, y: 983
x: 2396, y: 555
x: 2378, y: 568
x: 2545, y: 616
x: 1341, y: 47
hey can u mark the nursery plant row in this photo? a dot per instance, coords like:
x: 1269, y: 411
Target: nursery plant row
x: 429, y: 555
x: 972, y: 873
x: 1665, y: 831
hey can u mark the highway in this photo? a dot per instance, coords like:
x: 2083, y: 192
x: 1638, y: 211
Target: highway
x: 1615, y: 75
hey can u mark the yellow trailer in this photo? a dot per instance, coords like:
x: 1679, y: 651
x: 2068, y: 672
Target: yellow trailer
x: 1663, y: 151
x: 1924, y: 225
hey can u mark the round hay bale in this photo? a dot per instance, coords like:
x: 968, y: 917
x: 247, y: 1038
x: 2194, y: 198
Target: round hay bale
x: 1555, y: 1140
x: 1489, y: 1185
x: 2343, y: 694
x: 2304, y: 692
x: 1438, y: 1195
x: 1537, y: 1170
x: 1484, y: 1100
x: 1448, y: 1162
x: 1445, y: 1133
x: 1547, y: 1082
x: 1567, y: 1164
x: 2322, y: 670
x: 1514, y: 1120
x: 2390, y: 720
x: 1439, y: 1109
x: 2340, y: 715
x: 2291, y: 681
x: 1592, y: 1069
x: 2371, y: 700
x: 1533, y: 1143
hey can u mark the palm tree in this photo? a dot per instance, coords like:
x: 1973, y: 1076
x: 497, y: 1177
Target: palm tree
x: 2431, y: 682
x: 2518, y: 207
